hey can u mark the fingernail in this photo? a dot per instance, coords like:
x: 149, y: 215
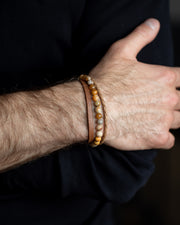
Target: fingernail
x: 152, y: 23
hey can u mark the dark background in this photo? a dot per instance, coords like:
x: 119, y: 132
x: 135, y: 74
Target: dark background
x: 158, y: 203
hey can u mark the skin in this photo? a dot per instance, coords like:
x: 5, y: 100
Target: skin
x: 141, y: 103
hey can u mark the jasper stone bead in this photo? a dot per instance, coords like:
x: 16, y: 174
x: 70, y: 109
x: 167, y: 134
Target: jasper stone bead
x: 99, y: 133
x: 94, y: 92
x: 100, y: 121
x: 82, y: 77
x: 92, y: 87
x: 88, y: 78
x: 95, y: 98
x: 97, y: 103
x: 98, y: 116
x: 99, y: 127
x: 89, y: 82
x: 98, y: 109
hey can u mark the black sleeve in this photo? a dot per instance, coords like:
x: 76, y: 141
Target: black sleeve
x: 102, y: 172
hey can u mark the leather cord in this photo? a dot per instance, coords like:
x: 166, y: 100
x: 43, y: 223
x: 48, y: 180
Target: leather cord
x: 90, y: 116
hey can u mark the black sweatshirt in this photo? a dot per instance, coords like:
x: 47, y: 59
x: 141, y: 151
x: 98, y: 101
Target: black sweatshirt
x: 44, y: 42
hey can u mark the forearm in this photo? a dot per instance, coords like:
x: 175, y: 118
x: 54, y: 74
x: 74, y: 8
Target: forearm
x: 36, y: 123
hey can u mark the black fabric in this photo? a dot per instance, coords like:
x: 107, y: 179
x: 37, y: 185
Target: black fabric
x: 36, y: 209
x: 46, y: 42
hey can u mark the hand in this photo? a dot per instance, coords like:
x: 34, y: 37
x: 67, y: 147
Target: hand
x: 141, y: 100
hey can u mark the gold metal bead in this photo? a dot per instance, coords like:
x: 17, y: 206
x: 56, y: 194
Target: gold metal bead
x: 93, y: 145
x: 96, y: 142
x: 98, y: 139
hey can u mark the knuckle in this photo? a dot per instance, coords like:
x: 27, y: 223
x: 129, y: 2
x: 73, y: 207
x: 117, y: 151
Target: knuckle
x: 175, y: 99
x: 172, y: 99
x: 119, y: 47
x: 161, y: 140
x: 170, y: 76
x: 116, y: 46
x: 171, y: 143
x: 169, y: 117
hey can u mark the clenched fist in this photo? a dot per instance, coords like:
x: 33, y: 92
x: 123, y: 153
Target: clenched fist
x: 141, y: 100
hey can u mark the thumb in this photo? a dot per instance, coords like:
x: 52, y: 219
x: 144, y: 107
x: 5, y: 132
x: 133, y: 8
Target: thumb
x: 140, y: 37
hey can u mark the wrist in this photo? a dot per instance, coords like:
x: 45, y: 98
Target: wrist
x: 71, y: 99
x: 108, y: 94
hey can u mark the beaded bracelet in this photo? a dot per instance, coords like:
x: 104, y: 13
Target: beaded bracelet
x: 95, y: 111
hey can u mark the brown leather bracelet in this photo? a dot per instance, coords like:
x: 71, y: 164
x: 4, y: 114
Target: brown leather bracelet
x: 95, y: 111
x: 90, y: 116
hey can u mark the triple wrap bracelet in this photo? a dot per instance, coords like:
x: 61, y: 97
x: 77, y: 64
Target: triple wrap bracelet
x: 95, y: 111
